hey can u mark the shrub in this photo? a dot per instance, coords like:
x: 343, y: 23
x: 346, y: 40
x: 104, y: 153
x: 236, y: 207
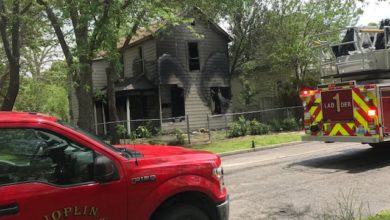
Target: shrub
x: 289, y: 124
x: 235, y: 130
x: 244, y: 127
x: 275, y: 125
x: 142, y: 132
x: 257, y: 128
x: 121, y: 130
x: 179, y: 137
x: 239, y: 128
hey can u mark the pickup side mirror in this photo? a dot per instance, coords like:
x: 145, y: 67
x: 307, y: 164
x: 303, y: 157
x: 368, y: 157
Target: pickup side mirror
x: 105, y: 170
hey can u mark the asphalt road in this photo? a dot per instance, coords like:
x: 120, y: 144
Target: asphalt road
x: 308, y: 180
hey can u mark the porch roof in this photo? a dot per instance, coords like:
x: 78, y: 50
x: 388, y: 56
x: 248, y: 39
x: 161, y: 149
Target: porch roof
x: 134, y: 83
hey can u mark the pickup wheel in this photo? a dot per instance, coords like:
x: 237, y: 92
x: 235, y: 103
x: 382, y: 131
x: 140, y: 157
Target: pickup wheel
x: 183, y: 212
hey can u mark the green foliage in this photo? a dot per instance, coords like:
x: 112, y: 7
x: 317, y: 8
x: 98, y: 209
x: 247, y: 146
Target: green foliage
x: 274, y: 37
x: 179, y: 137
x: 257, y: 128
x: 248, y: 92
x: 121, y: 130
x: 288, y: 124
x: 46, y: 94
x: 142, y: 132
x: 384, y: 215
x: 244, y: 127
x: 238, y: 128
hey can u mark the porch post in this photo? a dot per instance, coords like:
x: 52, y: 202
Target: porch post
x: 160, y: 107
x: 95, y: 116
x: 104, y: 119
x: 128, y: 115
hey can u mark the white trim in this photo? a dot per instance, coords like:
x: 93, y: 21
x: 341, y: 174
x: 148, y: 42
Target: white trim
x: 128, y: 115
x: 95, y: 117
x: 104, y: 120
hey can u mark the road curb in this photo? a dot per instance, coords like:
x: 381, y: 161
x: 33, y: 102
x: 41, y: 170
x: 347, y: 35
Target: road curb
x: 259, y: 148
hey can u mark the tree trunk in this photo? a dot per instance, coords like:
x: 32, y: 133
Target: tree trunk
x: 13, y: 88
x: 11, y: 47
x: 111, y: 99
x: 84, y: 92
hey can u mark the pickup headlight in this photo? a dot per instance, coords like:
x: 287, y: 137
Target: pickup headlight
x: 218, y: 174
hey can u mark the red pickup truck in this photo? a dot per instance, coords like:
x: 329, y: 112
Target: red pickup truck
x: 50, y: 170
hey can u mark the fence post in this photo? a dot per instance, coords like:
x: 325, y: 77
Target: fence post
x: 208, y: 126
x: 188, y: 129
x: 288, y: 112
x: 226, y: 124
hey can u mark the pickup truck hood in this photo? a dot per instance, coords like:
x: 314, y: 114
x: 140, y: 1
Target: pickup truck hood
x: 162, y: 151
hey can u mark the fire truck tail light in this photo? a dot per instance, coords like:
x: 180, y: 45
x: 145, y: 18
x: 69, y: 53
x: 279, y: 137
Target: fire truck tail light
x: 307, y: 92
x: 371, y: 113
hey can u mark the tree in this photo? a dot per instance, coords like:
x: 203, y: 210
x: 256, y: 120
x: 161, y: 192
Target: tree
x: 12, y: 22
x: 33, y: 95
x: 280, y: 40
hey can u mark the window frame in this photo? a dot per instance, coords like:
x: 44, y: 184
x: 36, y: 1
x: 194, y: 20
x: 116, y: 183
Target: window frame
x: 94, y: 152
x: 140, y: 55
x: 213, y: 112
x: 189, y: 57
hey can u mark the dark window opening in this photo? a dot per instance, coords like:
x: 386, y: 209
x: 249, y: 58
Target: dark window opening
x: 193, y: 56
x: 177, y: 100
x: 220, y: 99
x: 140, y: 62
x: 138, y: 107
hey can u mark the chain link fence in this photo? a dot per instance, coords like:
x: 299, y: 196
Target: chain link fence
x: 186, y: 130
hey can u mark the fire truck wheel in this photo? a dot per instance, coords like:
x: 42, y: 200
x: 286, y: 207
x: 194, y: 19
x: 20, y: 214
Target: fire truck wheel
x: 181, y: 212
x: 381, y: 145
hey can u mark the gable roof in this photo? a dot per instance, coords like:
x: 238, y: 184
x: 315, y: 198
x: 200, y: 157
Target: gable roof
x: 144, y: 34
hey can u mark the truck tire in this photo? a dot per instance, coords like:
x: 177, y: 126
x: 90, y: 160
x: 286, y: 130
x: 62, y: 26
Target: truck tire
x: 183, y: 212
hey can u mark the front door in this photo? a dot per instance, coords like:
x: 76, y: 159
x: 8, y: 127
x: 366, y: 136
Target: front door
x: 45, y: 176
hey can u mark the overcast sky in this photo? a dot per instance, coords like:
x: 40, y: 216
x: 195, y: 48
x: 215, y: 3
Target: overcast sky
x: 374, y: 12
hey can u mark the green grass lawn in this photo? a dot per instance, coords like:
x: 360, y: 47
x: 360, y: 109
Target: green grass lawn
x: 241, y: 143
x: 385, y: 215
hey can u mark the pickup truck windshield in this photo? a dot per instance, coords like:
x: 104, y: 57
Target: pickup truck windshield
x: 94, y: 137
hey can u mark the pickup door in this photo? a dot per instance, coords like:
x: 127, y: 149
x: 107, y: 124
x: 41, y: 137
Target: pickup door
x: 44, y: 175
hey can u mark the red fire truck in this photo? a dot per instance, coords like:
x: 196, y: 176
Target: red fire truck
x: 352, y: 104
x: 52, y: 171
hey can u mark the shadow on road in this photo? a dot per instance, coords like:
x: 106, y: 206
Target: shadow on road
x: 352, y: 161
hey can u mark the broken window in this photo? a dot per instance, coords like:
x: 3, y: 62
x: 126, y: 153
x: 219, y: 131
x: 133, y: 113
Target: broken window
x: 193, y: 56
x: 220, y: 99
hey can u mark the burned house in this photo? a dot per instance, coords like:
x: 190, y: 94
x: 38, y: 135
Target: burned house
x: 169, y: 74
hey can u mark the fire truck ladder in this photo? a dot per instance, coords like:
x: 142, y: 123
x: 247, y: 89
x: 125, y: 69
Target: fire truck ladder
x: 362, y: 51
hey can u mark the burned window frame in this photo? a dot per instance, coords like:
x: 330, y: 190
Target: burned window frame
x: 193, y: 63
x: 140, y: 55
x: 216, y: 106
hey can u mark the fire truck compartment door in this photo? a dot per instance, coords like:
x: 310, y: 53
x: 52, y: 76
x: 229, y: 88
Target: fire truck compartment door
x: 337, y: 105
x: 385, y: 104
